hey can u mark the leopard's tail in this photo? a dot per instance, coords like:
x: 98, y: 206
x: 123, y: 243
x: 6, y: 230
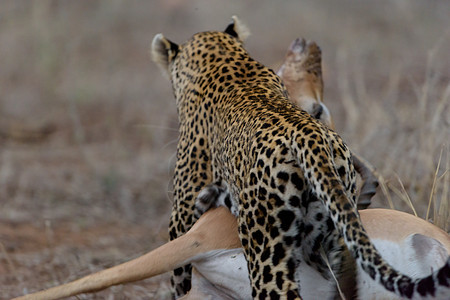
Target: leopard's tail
x: 329, y: 187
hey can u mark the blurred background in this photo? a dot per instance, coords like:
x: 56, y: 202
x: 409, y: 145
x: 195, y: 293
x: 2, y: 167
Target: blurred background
x: 88, y: 125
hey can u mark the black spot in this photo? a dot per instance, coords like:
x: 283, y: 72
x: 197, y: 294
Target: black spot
x: 319, y: 217
x: 406, y: 287
x: 306, y: 130
x: 267, y: 276
x: 347, y: 206
x: 267, y: 169
x: 444, y: 275
x: 286, y: 218
x: 389, y: 283
x: 291, y: 265
x: 274, y: 295
x: 262, y: 193
x: 228, y: 202
x: 278, y: 201
x: 341, y: 171
x: 297, y: 181
x: 259, y: 175
x: 260, y: 163
x: 278, y: 254
x: 261, y: 220
x: 186, y: 285
x: 302, y: 142
x: 173, y: 232
x: 371, y: 271
x: 288, y: 240
x: 178, y: 271
x: 258, y: 281
x: 351, y: 216
x: 426, y: 286
x: 283, y: 176
x: 258, y: 237
x: 272, y: 183
x: 274, y: 232
x: 294, y: 201
x: 279, y: 280
x: 253, y: 179
x: 250, y: 223
x: 291, y: 295
x: 265, y: 254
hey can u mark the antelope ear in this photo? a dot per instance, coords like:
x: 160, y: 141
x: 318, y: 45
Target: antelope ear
x: 163, y: 52
x: 237, y: 29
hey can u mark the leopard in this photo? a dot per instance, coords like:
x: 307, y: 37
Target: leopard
x: 301, y: 73
x: 291, y: 177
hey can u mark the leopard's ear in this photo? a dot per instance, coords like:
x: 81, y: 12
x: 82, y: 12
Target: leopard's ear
x: 163, y: 52
x: 237, y: 29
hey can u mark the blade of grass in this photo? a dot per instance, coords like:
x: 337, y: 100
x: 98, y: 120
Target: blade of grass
x: 325, y: 258
x: 433, y: 188
x: 442, y: 218
x: 384, y: 189
x: 402, y: 194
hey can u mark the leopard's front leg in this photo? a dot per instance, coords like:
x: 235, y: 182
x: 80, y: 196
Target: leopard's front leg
x: 192, y: 173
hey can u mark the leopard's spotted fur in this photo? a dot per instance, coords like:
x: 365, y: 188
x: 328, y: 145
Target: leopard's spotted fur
x: 293, y: 178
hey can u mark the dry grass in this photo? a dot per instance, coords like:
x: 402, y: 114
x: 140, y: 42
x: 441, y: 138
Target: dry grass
x: 93, y: 188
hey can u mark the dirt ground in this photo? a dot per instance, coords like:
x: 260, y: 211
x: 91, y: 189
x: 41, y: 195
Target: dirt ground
x: 88, y: 125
